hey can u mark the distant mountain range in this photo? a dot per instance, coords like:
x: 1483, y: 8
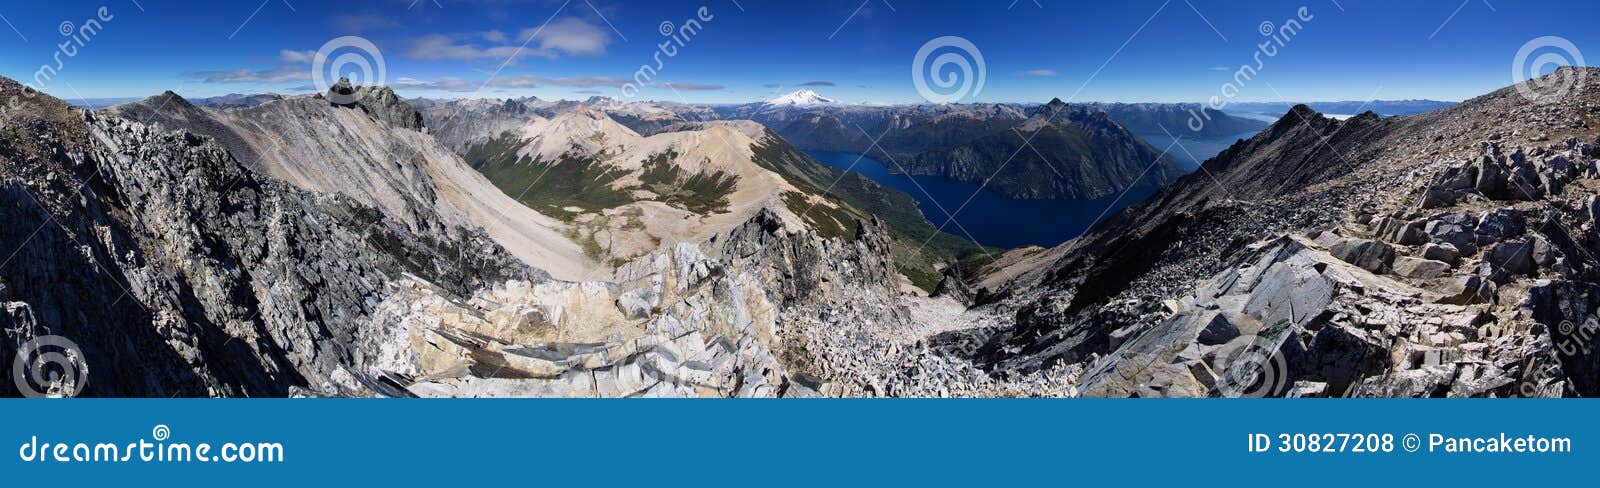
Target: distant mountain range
x: 235, y: 100
x: 1064, y: 152
x: 967, y: 142
x: 232, y: 100
x: 1087, y: 158
x: 1077, y: 155
x: 1346, y: 108
x: 801, y: 98
x: 1178, y: 120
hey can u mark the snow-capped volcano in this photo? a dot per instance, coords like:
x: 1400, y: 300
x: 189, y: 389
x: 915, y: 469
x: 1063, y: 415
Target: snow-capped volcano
x: 802, y: 97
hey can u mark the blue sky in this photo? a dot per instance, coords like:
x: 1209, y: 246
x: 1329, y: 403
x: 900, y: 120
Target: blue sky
x: 1134, y: 50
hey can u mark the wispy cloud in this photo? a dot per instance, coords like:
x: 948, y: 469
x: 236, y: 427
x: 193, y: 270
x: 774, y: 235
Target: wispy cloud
x: 565, y: 37
x: 529, y: 81
x: 1220, y: 68
x: 818, y: 83
x: 1042, y: 73
x: 690, y: 86
x: 281, y: 74
x: 571, y: 36
x: 443, y: 84
x: 296, y: 57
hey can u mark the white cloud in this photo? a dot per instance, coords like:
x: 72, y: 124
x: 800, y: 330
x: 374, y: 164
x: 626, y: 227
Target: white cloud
x: 295, y: 67
x: 292, y: 56
x: 571, y: 36
x: 565, y: 37
x: 530, y: 81
x: 438, y: 46
x: 281, y: 74
x: 1037, y: 72
x: 442, y: 84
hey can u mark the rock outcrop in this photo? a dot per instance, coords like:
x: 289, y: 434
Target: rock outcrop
x: 180, y: 272
x: 1292, y: 318
x: 369, y: 145
x: 767, y: 309
x: 1426, y: 255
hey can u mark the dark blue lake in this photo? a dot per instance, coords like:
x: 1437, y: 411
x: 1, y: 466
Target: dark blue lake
x: 990, y: 218
x: 1190, y: 152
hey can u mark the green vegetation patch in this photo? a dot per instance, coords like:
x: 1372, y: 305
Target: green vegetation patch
x: 549, y: 187
x: 699, y: 193
x: 923, y: 277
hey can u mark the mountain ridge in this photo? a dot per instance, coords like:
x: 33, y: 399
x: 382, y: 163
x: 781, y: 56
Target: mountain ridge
x: 375, y: 149
x: 1365, y: 213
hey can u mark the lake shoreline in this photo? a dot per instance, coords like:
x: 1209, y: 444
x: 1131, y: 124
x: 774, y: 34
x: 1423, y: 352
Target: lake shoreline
x: 984, y: 216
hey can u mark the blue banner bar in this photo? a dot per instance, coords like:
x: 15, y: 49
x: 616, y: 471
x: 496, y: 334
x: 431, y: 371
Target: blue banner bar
x: 795, y: 442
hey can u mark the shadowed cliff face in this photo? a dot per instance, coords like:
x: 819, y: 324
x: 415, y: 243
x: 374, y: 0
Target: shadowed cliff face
x: 179, y: 272
x: 1059, y: 151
